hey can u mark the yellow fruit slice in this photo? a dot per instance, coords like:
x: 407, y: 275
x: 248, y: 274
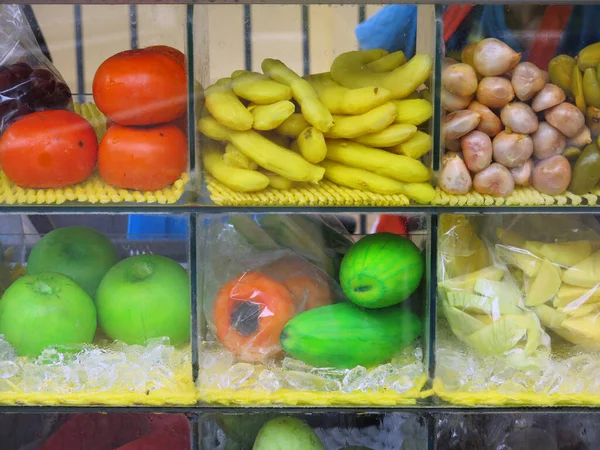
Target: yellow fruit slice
x: 499, y: 337
x: 545, y: 285
x: 585, y: 273
x: 501, y: 291
x: 467, y: 282
x: 580, y: 311
x: 588, y: 326
x: 568, y: 294
x: 549, y: 317
x: 461, y: 323
x: 534, y: 247
x: 519, y: 258
x: 510, y: 238
x: 566, y: 253
x: 478, y: 304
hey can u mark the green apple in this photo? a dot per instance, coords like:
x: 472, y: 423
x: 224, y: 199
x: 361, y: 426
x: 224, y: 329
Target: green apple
x: 80, y: 253
x: 46, y: 309
x: 143, y: 297
x: 287, y: 433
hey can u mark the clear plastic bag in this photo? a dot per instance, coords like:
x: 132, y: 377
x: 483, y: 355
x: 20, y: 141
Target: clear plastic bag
x: 546, y: 349
x: 278, y: 323
x: 481, y: 299
x: 264, y: 271
x: 29, y: 82
x: 557, y: 263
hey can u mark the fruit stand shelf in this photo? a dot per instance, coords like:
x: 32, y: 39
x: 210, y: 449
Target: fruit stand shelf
x: 197, y: 209
x: 291, y: 2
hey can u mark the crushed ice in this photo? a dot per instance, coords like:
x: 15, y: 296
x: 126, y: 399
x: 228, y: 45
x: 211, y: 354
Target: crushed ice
x: 219, y: 370
x: 90, y: 368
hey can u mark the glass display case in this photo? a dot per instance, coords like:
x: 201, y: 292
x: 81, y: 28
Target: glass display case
x: 368, y: 225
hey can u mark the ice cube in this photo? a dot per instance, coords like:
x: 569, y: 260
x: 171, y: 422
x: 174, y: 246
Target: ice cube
x: 7, y: 353
x: 354, y: 379
x: 379, y: 374
x: 236, y: 376
x: 268, y: 381
x: 8, y: 369
x: 309, y: 382
x: 295, y: 365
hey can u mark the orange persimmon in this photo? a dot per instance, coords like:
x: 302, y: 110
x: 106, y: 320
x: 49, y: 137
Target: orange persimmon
x: 249, y: 313
x: 141, y: 87
x: 308, y: 285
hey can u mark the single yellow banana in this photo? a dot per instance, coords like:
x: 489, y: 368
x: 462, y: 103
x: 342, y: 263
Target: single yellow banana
x: 365, y: 180
x: 560, y: 69
x: 225, y: 107
x: 259, y: 88
x: 234, y: 158
x: 311, y: 143
x: 269, y: 155
x: 361, y: 179
x: 422, y: 193
x: 348, y: 127
x: 209, y: 127
x: 237, y: 73
x: 293, y: 125
x: 388, y: 137
x: 388, y: 62
x: 274, y: 158
x: 589, y: 56
x: 591, y: 88
x: 278, y: 71
x: 418, y: 145
x: 350, y: 70
x: 311, y: 107
x: 341, y: 100
x: 242, y: 180
x: 577, y: 89
x: 398, y: 167
x: 413, y: 111
x: 269, y: 117
x: 277, y: 181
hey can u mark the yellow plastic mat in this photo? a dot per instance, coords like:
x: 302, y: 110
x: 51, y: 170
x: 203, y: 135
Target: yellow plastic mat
x: 180, y: 392
x: 521, y: 196
x: 323, y: 194
x: 290, y: 397
x: 495, y: 398
x: 93, y: 190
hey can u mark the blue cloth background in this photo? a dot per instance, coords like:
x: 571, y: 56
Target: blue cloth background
x: 168, y: 225
x: 394, y: 28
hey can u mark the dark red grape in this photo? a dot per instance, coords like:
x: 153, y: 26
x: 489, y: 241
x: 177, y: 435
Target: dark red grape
x: 62, y: 94
x: 20, y: 70
x: 6, y: 79
x: 42, y: 74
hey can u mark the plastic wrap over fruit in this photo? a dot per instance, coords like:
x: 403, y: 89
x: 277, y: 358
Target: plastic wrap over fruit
x: 482, y: 300
x: 28, y: 80
x: 556, y: 262
x: 277, y: 318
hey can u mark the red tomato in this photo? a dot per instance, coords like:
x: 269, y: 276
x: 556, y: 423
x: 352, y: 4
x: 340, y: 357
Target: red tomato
x: 172, y: 52
x: 145, y: 159
x: 141, y: 87
x: 48, y: 149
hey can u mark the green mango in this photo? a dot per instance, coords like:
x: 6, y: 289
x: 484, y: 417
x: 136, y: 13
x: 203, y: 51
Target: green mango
x: 344, y: 336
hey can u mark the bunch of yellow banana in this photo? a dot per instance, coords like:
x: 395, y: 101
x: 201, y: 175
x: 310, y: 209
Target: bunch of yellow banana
x: 561, y: 283
x: 480, y: 301
x: 356, y: 126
